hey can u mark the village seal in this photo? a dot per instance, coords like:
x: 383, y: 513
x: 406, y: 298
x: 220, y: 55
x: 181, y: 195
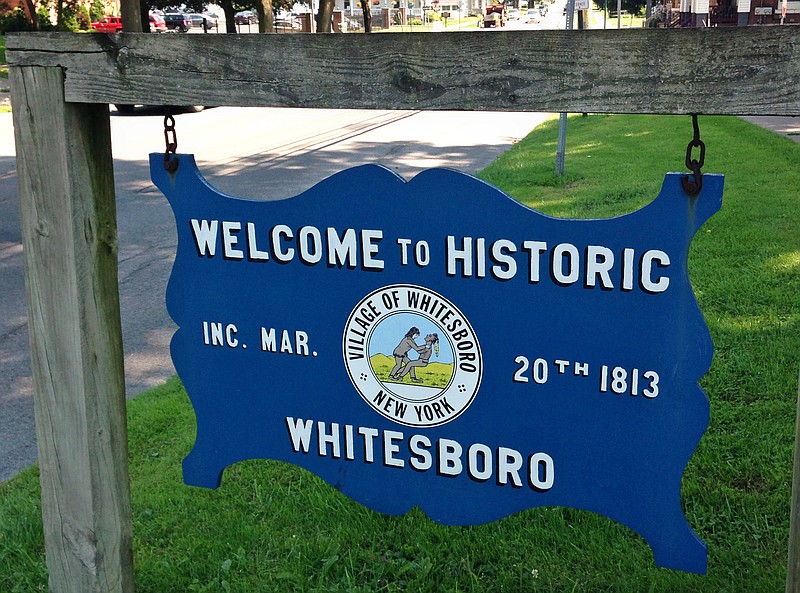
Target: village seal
x: 412, y: 355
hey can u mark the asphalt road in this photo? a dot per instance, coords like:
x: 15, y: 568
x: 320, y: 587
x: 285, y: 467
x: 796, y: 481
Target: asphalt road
x: 264, y: 154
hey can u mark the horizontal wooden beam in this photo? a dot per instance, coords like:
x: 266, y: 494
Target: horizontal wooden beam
x: 734, y: 71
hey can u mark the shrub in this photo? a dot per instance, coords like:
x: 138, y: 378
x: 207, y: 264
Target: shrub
x: 97, y: 10
x: 43, y: 15
x: 69, y: 22
x: 82, y: 16
x: 14, y: 20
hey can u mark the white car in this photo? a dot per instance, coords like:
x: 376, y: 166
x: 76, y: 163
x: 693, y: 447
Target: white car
x: 532, y: 16
x: 512, y: 14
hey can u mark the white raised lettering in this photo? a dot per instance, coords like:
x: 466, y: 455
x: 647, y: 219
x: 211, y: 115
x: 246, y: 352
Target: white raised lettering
x: 449, y: 457
x: 299, y: 433
x: 205, y: 236
x: 325, y: 439
x: 369, y: 248
x: 390, y: 448
x: 599, y: 261
x: 230, y: 240
x: 662, y: 260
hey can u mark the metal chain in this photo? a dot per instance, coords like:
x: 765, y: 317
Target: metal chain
x: 171, y: 140
x: 693, y: 184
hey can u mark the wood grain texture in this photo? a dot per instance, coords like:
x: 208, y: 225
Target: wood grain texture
x: 68, y: 218
x: 733, y: 71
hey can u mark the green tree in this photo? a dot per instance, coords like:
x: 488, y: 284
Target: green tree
x: 43, y: 17
x: 15, y: 20
x: 631, y: 6
x: 68, y: 16
x: 97, y: 10
x: 82, y: 18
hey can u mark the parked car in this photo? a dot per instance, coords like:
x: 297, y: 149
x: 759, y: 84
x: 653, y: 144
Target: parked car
x: 157, y: 24
x: 202, y: 21
x: 246, y: 17
x: 177, y: 21
x: 108, y: 24
x: 287, y: 23
x: 211, y: 19
x: 532, y: 16
x: 512, y: 14
x: 493, y: 16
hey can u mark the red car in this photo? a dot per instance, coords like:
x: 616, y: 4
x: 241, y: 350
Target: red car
x: 157, y: 23
x: 108, y: 24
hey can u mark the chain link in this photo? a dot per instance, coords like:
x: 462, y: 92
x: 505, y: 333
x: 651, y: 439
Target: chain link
x: 171, y: 141
x: 693, y: 184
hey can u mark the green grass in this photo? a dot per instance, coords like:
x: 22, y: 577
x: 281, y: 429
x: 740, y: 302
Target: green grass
x: 453, y: 24
x: 274, y: 527
x: 435, y: 374
x: 3, y: 66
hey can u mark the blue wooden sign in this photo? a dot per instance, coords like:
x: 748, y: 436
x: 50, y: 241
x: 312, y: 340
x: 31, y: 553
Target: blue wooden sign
x: 435, y: 343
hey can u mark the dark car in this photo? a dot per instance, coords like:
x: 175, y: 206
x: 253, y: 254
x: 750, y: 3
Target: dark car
x: 177, y: 21
x: 246, y: 17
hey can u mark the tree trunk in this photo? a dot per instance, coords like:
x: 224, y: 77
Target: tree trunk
x: 144, y: 9
x: 325, y: 16
x: 230, y: 24
x: 132, y: 16
x: 366, y: 8
x: 266, y: 21
x: 29, y: 7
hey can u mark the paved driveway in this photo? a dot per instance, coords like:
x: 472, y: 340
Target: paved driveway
x: 257, y: 153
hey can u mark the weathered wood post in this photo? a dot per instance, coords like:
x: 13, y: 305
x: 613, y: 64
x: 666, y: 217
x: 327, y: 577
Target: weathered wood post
x: 68, y: 215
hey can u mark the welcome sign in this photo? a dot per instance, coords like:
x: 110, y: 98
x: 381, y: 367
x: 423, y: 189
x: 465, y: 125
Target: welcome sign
x: 435, y: 343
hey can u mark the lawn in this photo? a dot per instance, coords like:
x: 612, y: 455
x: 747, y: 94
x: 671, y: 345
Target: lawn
x: 274, y: 527
x: 3, y: 65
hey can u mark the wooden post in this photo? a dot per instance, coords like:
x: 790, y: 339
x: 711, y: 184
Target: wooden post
x: 68, y: 216
x: 793, y: 569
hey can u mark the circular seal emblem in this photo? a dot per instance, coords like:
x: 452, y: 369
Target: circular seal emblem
x: 412, y: 355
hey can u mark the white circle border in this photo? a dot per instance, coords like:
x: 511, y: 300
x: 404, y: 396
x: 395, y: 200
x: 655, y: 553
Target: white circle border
x: 463, y: 386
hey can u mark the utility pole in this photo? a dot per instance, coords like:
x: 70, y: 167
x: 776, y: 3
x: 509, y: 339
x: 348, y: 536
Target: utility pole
x: 562, y: 118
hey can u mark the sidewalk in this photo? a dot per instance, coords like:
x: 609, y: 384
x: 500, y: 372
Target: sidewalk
x: 785, y: 126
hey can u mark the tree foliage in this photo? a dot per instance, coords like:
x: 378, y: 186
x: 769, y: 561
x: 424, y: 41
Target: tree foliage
x: 630, y: 6
x: 15, y: 20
